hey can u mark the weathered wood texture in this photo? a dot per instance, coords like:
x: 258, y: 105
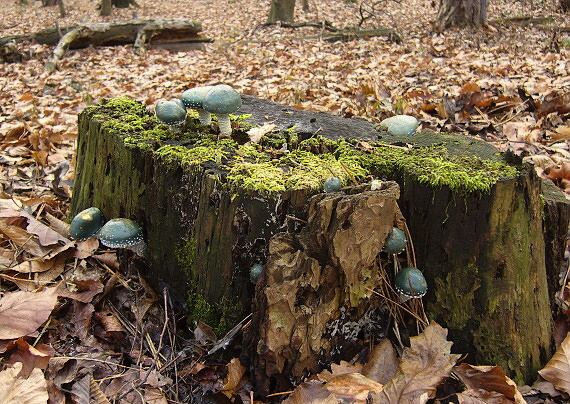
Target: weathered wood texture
x: 483, y: 255
x: 315, y: 300
x: 119, y: 33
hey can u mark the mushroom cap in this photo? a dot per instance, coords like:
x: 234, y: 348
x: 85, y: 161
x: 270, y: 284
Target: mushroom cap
x: 222, y: 99
x: 194, y: 97
x: 332, y: 184
x: 255, y: 271
x: 170, y: 112
x: 86, y: 223
x: 395, y: 242
x: 120, y: 233
x: 410, y: 282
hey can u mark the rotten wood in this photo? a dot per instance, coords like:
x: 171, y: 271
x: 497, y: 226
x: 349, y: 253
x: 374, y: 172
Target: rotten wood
x: 484, y: 256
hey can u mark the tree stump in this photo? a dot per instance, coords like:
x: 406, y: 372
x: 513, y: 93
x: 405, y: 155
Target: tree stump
x: 212, y: 209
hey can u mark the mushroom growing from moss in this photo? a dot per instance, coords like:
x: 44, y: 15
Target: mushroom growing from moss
x: 194, y: 99
x: 171, y: 113
x: 332, y: 184
x: 222, y: 100
x: 395, y: 242
x: 410, y: 283
x: 123, y: 233
x: 86, y: 223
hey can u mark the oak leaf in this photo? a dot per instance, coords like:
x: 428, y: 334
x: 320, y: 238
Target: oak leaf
x: 557, y: 370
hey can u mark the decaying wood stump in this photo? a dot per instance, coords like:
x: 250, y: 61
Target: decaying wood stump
x: 483, y: 253
x: 315, y: 299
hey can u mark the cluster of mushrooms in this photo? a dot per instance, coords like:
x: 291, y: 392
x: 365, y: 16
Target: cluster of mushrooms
x: 115, y: 233
x: 221, y: 100
x: 409, y: 282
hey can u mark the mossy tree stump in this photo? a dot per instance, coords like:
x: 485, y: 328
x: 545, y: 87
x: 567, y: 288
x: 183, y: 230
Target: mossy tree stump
x: 210, y: 208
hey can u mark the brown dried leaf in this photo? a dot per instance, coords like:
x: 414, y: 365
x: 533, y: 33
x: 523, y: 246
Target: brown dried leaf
x: 14, y: 389
x: 24, y: 240
x: 31, y: 357
x: 82, y: 291
x: 382, y: 362
x: 235, y: 373
x: 490, y: 378
x: 424, y: 366
x: 46, y: 235
x: 311, y: 392
x: 557, y: 370
x: 482, y: 396
x: 21, y: 313
x: 352, y: 387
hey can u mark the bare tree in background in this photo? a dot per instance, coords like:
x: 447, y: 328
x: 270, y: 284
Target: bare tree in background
x: 461, y: 13
x: 281, y: 10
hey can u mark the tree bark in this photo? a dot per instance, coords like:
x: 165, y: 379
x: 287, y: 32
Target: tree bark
x: 106, y: 7
x: 461, y: 13
x: 483, y: 255
x: 281, y: 10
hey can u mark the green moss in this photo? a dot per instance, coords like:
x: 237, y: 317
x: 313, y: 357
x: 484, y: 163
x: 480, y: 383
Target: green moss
x: 221, y: 316
x: 185, y: 253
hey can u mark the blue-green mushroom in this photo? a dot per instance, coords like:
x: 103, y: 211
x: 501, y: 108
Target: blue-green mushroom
x: 395, y: 242
x: 123, y: 233
x: 332, y: 184
x: 86, y: 223
x: 222, y: 100
x: 171, y: 113
x: 194, y: 99
x: 410, y: 283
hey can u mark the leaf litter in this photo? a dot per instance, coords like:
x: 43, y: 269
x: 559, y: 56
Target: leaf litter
x: 76, y: 323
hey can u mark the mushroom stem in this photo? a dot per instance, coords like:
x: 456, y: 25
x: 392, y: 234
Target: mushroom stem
x: 205, y: 117
x: 224, y: 124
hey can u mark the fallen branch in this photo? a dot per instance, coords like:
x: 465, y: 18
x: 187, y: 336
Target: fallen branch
x: 138, y: 32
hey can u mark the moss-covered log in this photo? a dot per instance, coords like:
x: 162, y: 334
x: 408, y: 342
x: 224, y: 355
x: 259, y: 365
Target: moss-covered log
x: 209, y: 209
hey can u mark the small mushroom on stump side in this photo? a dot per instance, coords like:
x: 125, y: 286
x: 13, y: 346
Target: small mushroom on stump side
x: 171, y: 113
x: 194, y: 99
x: 86, y: 223
x: 395, y: 242
x: 410, y: 283
x: 222, y: 100
x: 255, y: 271
x: 123, y: 233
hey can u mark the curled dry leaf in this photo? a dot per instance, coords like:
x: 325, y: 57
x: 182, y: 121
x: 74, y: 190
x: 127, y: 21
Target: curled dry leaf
x: 21, y: 313
x: 235, y: 373
x: 490, y: 379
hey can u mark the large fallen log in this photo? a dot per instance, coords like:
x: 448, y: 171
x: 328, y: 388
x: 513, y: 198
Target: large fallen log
x: 211, y: 209
x: 140, y: 33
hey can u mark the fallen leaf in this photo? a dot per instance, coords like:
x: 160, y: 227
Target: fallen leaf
x: 382, y: 362
x: 21, y: 313
x: 235, y: 373
x: 424, y: 365
x: 14, y: 389
x: 557, y: 370
x: 490, y: 378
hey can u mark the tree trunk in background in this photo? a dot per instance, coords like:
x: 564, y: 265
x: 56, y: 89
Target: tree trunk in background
x: 281, y: 10
x: 461, y: 13
x: 106, y: 6
x: 46, y: 3
x: 565, y: 5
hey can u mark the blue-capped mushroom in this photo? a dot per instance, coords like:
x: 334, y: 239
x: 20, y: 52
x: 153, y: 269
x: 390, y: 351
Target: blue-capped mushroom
x: 194, y: 99
x: 395, y: 242
x: 171, y: 113
x: 86, y: 223
x: 123, y: 233
x: 410, y: 283
x: 332, y: 184
x: 222, y: 100
x: 255, y: 271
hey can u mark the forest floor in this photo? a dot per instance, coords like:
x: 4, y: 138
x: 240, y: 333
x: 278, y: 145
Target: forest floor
x: 508, y: 83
